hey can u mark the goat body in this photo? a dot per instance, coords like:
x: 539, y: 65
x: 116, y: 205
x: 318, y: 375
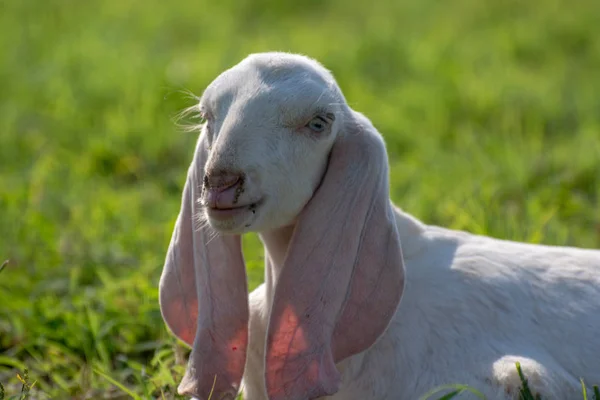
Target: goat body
x: 360, y: 300
x: 472, y: 307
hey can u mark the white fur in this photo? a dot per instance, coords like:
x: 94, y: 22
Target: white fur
x: 267, y: 141
x: 472, y: 305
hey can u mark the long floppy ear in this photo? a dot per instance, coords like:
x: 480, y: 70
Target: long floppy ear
x: 343, y: 276
x: 204, y: 296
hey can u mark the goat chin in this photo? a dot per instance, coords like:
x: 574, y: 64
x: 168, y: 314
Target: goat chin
x: 360, y: 300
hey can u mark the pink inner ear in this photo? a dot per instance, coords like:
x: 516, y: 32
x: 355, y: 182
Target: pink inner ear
x: 219, y: 352
x: 343, y: 275
x: 187, y: 331
x: 177, y: 290
x: 204, y: 297
x: 376, y: 287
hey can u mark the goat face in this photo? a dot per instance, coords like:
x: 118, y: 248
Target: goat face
x: 270, y: 122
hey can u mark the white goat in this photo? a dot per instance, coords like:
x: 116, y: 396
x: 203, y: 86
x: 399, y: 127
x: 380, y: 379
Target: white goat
x: 360, y: 300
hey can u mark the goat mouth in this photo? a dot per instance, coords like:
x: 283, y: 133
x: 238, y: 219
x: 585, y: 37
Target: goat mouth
x: 228, y: 213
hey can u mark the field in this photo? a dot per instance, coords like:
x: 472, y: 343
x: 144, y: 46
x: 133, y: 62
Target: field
x: 490, y: 110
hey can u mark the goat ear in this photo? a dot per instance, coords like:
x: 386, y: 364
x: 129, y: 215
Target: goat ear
x: 343, y: 276
x: 203, y: 295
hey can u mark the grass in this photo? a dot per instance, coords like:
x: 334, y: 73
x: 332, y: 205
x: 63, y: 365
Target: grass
x: 489, y: 109
x: 525, y: 392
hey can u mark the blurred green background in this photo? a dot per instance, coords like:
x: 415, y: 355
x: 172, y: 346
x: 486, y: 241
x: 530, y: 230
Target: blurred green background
x: 490, y: 109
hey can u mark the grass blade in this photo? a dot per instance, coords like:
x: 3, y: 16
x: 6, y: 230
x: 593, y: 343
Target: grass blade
x: 117, y: 384
x: 212, y: 388
x: 525, y: 392
x: 583, y: 389
x: 451, y: 395
x: 457, y: 390
x: 4, y: 264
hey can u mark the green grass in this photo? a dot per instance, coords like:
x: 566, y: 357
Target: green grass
x: 525, y: 393
x: 489, y: 109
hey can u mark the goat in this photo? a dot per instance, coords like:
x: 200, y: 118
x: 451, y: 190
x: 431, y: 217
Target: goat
x: 360, y: 299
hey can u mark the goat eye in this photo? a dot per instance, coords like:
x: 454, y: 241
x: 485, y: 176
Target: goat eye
x: 317, y: 124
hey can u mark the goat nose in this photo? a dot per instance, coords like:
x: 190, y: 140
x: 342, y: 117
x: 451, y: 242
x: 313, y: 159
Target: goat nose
x: 222, y: 190
x: 221, y: 181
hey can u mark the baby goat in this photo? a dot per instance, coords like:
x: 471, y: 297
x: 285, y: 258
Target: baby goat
x: 360, y: 300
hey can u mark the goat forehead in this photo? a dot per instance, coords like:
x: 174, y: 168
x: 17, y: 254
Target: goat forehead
x: 289, y: 80
x: 294, y: 80
x: 279, y: 65
x: 285, y: 103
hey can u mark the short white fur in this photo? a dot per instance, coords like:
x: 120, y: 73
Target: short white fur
x: 471, y: 305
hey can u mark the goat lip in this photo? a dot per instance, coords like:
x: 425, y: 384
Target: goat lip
x: 226, y: 213
x: 217, y: 208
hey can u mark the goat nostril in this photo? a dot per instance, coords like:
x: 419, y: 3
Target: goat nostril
x: 221, y: 182
x: 227, y: 184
